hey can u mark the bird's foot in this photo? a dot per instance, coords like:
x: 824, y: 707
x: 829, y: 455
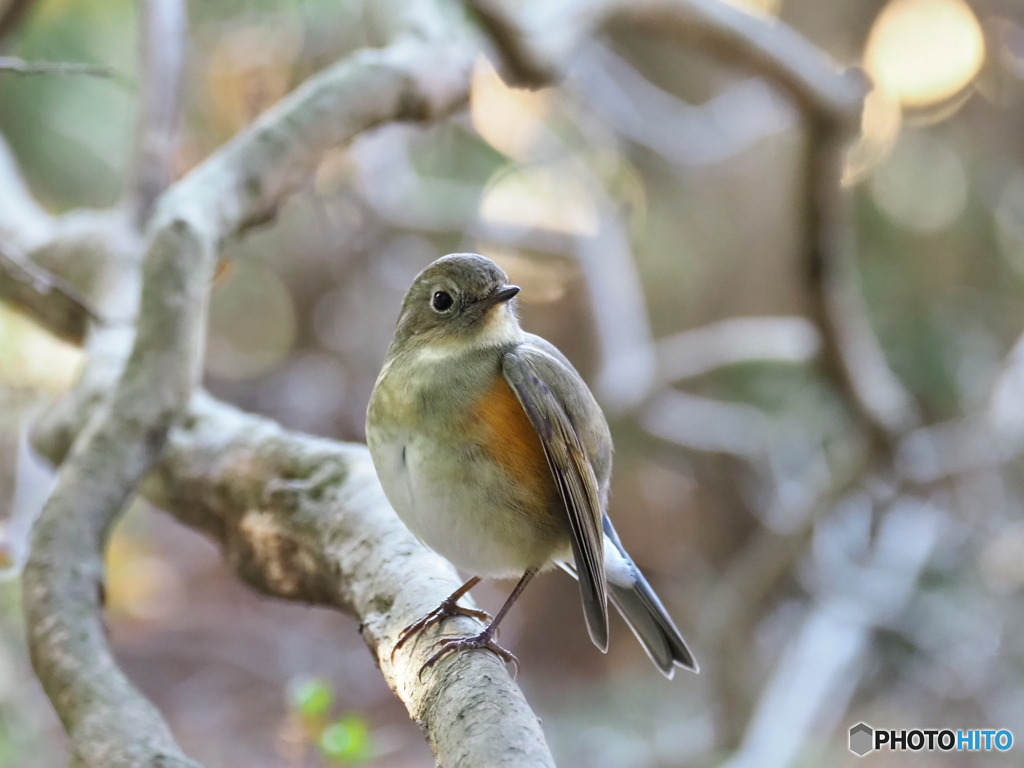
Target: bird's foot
x: 445, y: 610
x: 484, y: 640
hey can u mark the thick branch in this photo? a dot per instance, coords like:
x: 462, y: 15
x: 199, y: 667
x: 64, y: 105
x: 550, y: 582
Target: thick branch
x: 110, y: 723
x: 305, y: 519
x: 298, y: 517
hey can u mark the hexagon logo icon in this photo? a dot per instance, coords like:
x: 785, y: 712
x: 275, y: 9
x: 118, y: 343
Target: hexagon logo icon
x: 862, y: 739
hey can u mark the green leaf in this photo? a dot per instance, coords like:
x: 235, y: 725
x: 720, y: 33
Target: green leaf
x: 310, y: 697
x: 347, y: 740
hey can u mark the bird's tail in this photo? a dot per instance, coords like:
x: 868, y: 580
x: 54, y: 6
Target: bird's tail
x: 640, y: 607
x: 652, y: 625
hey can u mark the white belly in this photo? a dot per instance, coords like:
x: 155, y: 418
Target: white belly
x: 453, y: 506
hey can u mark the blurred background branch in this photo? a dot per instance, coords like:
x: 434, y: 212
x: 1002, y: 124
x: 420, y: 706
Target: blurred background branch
x: 45, y: 298
x: 22, y: 67
x: 162, y: 48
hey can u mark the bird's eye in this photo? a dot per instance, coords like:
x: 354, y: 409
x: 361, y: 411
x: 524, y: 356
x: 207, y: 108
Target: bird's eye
x: 441, y: 301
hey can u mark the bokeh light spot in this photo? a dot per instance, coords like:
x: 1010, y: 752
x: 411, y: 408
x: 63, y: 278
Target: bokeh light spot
x: 880, y: 127
x: 544, y: 197
x: 31, y: 358
x: 508, y: 119
x: 1002, y: 561
x: 923, y: 185
x: 252, y: 324
x: 140, y: 583
x: 925, y: 51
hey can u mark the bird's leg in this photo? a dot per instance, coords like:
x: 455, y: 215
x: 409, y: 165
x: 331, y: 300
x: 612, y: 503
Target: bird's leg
x: 449, y: 607
x: 486, y: 638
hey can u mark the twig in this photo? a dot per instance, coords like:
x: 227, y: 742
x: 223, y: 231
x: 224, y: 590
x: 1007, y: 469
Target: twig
x: 821, y: 668
x: 628, y: 363
x: 699, y: 351
x: 685, y: 135
x: 44, y: 297
x: 161, y: 33
x: 758, y: 43
x: 701, y: 424
x: 22, y: 67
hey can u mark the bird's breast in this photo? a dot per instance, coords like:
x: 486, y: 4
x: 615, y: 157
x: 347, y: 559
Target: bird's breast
x: 467, y: 473
x: 499, y: 425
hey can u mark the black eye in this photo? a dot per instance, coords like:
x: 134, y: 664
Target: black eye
x: 442, y: 301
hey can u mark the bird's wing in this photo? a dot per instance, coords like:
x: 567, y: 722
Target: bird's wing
x: 525, y: 368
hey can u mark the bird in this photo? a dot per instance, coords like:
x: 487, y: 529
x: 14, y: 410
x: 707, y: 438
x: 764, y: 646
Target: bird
x: 495, y: 454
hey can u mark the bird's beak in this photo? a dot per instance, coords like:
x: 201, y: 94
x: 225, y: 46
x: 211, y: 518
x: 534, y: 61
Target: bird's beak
x: 500, y: 295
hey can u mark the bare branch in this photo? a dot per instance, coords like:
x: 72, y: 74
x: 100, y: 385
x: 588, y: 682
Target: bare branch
x: 699, y: 423
x: 305, y: 519
x: 851, y: 351
x: 22, y: 67
x: 110, y: 723
x: 759, y: 43
x: 525, y: 66
x: 830, y: 100
x: 44, y: 297
x: 685, y: 135
x: 699, y: 351
x: 543, y: 43
x: 161, y: 41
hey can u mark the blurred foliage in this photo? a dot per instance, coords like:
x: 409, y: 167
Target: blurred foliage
x: 344, y: 740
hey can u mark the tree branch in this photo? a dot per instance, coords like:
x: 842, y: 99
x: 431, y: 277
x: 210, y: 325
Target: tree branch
x: 161, y: 41
x: 852, y: 354
x: 44, y: 297
x: 21, y: 67
x: 305, y: 519
x: 298, y: 517
x: 831, y: 102
x: 275, y: 543
x: 539, y: 46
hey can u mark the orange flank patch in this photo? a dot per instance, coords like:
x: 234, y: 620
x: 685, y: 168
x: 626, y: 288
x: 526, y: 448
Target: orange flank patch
x: 512, y: 441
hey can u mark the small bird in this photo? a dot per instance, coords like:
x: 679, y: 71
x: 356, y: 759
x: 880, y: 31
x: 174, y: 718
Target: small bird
x: 494, y: 453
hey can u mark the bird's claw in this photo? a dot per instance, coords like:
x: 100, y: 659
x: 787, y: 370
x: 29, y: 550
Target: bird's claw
x: 445, y: 610
x: 484, y: 640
